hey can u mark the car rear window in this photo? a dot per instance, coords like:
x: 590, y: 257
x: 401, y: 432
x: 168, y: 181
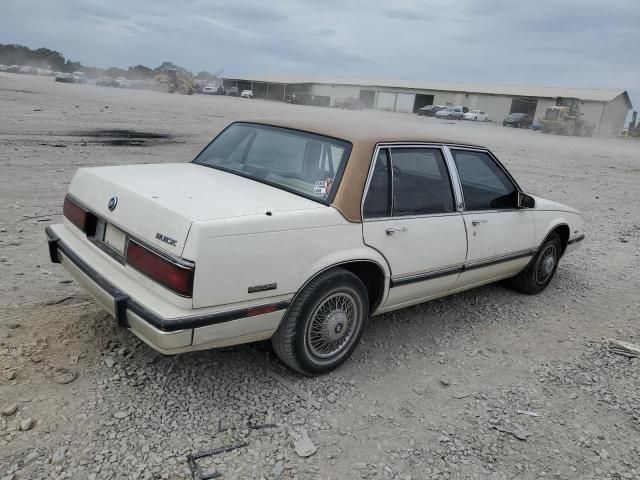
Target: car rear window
x: 304, y: 163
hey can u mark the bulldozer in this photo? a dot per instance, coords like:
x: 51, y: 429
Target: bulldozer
x: 566, y: 119
x: 172, y: 82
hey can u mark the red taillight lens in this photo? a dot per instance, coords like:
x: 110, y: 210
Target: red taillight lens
x: 178, y: 278
x: 80, y: 217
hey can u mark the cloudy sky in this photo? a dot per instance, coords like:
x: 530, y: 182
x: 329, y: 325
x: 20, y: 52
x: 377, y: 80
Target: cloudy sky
x: 572, y: 43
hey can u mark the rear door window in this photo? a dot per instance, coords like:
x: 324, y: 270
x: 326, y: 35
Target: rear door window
x: 421, y: 183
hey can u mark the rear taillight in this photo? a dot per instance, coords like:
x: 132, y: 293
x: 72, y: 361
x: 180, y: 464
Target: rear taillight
x: 80, y: 217
x: 170, y: 274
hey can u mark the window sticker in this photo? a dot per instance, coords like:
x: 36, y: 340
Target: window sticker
x: 320, y: 188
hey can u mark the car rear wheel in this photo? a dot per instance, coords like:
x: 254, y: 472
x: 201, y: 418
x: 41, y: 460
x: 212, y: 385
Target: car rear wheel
x: 324, y: 323
x: 538, y: 274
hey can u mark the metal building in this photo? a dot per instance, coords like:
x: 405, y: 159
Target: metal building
x: 607, y: 109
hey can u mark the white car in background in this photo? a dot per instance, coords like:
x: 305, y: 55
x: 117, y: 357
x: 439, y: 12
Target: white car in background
x: 247, y: 94
x: 299, y: 231
x: 476, y: 115
x: 211, y: 89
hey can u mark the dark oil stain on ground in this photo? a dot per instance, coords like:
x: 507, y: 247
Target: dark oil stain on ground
x: 125, y: 137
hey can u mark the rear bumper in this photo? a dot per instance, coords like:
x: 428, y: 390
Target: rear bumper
x: 168, y: 335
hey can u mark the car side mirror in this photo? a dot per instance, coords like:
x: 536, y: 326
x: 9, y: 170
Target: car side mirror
x: 526, y: 201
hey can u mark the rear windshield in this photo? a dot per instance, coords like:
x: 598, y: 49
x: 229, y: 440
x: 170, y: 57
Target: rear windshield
x: 303, y: 163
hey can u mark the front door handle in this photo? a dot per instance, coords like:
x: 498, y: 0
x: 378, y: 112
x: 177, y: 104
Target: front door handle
x: 392, y: 230
x: 475, y: 223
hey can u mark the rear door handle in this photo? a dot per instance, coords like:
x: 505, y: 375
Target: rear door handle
x: 392, y: 230
x: 475, y: 223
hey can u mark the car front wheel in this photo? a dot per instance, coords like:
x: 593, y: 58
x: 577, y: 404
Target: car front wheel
x: 324, y: 323
x: 538, y: 274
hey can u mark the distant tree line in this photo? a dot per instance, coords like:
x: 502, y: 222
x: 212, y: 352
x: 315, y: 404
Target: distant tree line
x: 52, y: 60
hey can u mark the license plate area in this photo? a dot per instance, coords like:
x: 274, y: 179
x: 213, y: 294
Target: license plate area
x: 111, y: 240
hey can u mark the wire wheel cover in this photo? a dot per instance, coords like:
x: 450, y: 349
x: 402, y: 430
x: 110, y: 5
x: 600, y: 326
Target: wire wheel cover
x: 546, y: 264
x: 333, y: 323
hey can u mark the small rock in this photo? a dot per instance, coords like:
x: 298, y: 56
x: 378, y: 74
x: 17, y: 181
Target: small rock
x: 3, y: 259
x: 31, y: 457
x: 13, y: 325
x: 10, y: 409
x: 359, y: 466
x: 58, y: 455
x: 445, y: 382
x: 303, y: 445
x: 109, y: 362
x: 331, y: 398
x: 12, y: 375
x: 27, y: 424
x: 278, y: 468
x: 419, y: 389
x: 120, y: 415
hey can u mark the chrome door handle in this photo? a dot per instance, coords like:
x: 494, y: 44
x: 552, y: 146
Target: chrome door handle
x: 475, y: 223
x: 391, y: 230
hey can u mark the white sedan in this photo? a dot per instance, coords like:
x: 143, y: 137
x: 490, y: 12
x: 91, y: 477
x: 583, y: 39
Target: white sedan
x: 300, y: 232
x: 476, y: 115
x: 247, y: 94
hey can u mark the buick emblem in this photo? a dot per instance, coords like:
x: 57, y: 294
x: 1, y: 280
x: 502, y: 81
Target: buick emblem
x: 113, y: 203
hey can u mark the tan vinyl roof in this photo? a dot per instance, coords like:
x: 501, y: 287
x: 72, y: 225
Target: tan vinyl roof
x: 589, y: 94
x: 364, y: 136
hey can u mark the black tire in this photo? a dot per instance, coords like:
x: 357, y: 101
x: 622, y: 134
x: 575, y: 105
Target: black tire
x: 537, y: 276
x: 292, y: 342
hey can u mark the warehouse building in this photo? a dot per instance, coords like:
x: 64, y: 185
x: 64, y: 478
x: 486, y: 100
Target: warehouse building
x: 607, y: 109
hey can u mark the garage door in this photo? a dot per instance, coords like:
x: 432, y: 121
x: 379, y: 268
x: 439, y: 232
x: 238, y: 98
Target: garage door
x: 386, y: 101
x: 405, y: 102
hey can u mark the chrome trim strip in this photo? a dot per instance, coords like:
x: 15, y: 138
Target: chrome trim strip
x: 430, y: 275
x: 443, y: 272
x: 575, y: 240
x: 487, y: 262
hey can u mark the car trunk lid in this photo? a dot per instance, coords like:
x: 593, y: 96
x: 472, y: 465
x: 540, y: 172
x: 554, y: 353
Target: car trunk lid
x: 158, y: 203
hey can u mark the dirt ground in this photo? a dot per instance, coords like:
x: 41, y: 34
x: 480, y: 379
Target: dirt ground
x: 488, y: 384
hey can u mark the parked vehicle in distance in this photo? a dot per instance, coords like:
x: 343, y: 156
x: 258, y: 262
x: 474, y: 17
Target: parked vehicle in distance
x: 213, y: 89
x: 123, y: 82
x: 13, y: 69
x: 517, y: 120
x: 476, y: 115
x: 107, y: 82
x: 430, y: 110
x: 65, y: 78
x: 79, y: 77
x: 349, y: 103
x: 288, y: 231
x: 233, y: 92
x: 451, y: 113
x: 28, y: 70
x: 3, y: 68
x: 247, y: 94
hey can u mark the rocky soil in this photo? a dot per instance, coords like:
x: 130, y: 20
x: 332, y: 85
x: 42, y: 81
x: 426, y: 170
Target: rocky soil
x: 488, y: 384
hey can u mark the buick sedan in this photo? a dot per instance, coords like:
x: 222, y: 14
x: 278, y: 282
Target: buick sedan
x: 299, y: 232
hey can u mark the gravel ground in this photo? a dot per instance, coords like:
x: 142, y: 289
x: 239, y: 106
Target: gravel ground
x: 485, y: 384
